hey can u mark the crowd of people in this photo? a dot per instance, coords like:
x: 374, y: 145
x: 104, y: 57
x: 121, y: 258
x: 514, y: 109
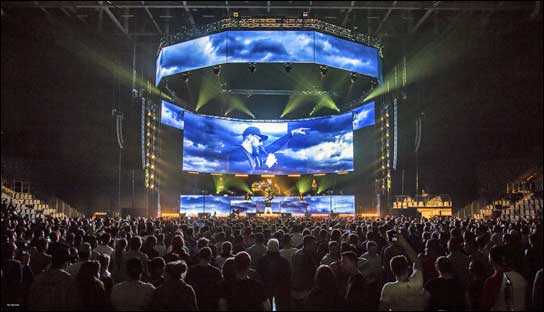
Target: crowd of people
x: 283, y: 264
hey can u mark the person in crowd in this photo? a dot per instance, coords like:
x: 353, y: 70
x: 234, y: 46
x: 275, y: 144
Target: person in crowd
x: 357, y: 290
x: 156, y: 271
x: 288, y: 250
x: 179, y: 250
x: 446, y: 292
x: 117, y: 260
x: 536, y: 293
x: 458, y: 260
x: 40, y: 259
x: 134, y: 246
x: 370, y: 266
x: 105, y: 275
x: 477, y: 275
x: 132, y: 294
x: 244, y: 293
x: 88, y: 292
x: 50, y: 289
x: 104, y: 246
x: 160, y: 247
x: 148, y: 247
x: 304, y: 267
x: 226, y: 252
x: 394, y: 249
x: 205, y: 279
x: 324, y: 295
x: 506, y: 289
x: 406, y: 292
x: 257, y: 250
x: 332, y: 255
x: 428, y: 259
x: 533, y: 256
x: 84, y: 253
x: 275, y: 274
x: 174, y: 294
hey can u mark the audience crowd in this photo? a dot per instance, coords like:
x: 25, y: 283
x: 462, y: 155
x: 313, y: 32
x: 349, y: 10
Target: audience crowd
x: 283, y: 264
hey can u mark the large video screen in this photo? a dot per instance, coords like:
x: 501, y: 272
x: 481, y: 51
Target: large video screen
x: 220, y: 145
x: 364, y: 116
x: 172, y: 115
x: 268, y: 46
x: 223, y: 205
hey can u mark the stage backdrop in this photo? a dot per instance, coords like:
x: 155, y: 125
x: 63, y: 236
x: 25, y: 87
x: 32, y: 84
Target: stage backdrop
x: 268, y: 46
x: 220, y: 145
x: 191, y: 205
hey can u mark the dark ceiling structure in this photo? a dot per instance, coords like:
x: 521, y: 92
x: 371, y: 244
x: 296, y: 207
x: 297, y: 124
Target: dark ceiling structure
x: 384, y: 19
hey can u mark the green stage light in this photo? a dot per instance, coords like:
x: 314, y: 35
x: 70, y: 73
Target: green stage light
x: 304, y: 184
x: 236, y: 103
x: 325, y: 102
x: 209, y: 89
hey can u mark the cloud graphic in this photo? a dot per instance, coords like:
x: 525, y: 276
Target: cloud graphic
x: 364, y: 116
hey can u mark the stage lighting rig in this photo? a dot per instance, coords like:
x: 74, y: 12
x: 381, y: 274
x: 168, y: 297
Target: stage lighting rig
x: 305, y: 14
x: 288, y: 67
x: 252, y: 67
x: 323, y: 69
x: 353, y: 77
x: 217, y: 70
x: 236, y: 14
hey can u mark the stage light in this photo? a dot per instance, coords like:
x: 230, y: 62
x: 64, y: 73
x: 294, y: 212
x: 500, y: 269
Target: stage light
x: 353, y: 77
x: 288, y: 67
x: 293, y: 175
x: 217, y: 70
x: 185, y: 77
x: 305, y: 14
x: 323, y: 69
x: 252, y: 67
x: 236, y: 14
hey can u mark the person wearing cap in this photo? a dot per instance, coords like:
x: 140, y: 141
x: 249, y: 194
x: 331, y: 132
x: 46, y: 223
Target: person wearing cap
x: 275, y: 273
x: 253, y: 155
x: 174, y: 294
x: 49, y: 291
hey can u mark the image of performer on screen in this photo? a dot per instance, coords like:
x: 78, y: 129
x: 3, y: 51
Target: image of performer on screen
x: 254, y: 155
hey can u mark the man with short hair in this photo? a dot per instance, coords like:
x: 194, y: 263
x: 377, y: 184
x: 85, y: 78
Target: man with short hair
x: 205, y: 278
x: 304, y: 267
x: 257, y: 250
x: 40, y: 260
x: 49, y: 291
x: 104, y: 247
x: 245, y: 292
x: 134, y: 245
x: 174, y: 294
x: 333, y: 254
x: 132, y: 294
x: 446, y: 292
x: 356, y: 288
x: 84, y: 252
x: 288, y: 251
x: 406, y: 292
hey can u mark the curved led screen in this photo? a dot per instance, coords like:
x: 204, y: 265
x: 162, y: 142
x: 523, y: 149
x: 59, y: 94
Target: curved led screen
x: 224, y: 205
x: 172, y: 115
x: 218, y: 145
x: 240, y: 46
x: 364, y: 116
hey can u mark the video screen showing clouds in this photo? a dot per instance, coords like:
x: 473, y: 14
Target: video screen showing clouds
x: 268, y: 46
x: 197, y: 53
x: 218, y: 145
x: 172, y: 115
x: 364, y: 116
x: 346, y: 55
x: 191, y: 205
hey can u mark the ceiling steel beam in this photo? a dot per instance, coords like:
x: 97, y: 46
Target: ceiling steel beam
x: 424, y: 17
x: 382, y: 22
x: 449, y: 6
x: 191, y: 18
x: 344, y: 22
x: 152, y: 19
x: 114, y: 19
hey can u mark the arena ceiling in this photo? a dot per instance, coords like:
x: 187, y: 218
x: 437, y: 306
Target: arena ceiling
x: 384, y: 19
